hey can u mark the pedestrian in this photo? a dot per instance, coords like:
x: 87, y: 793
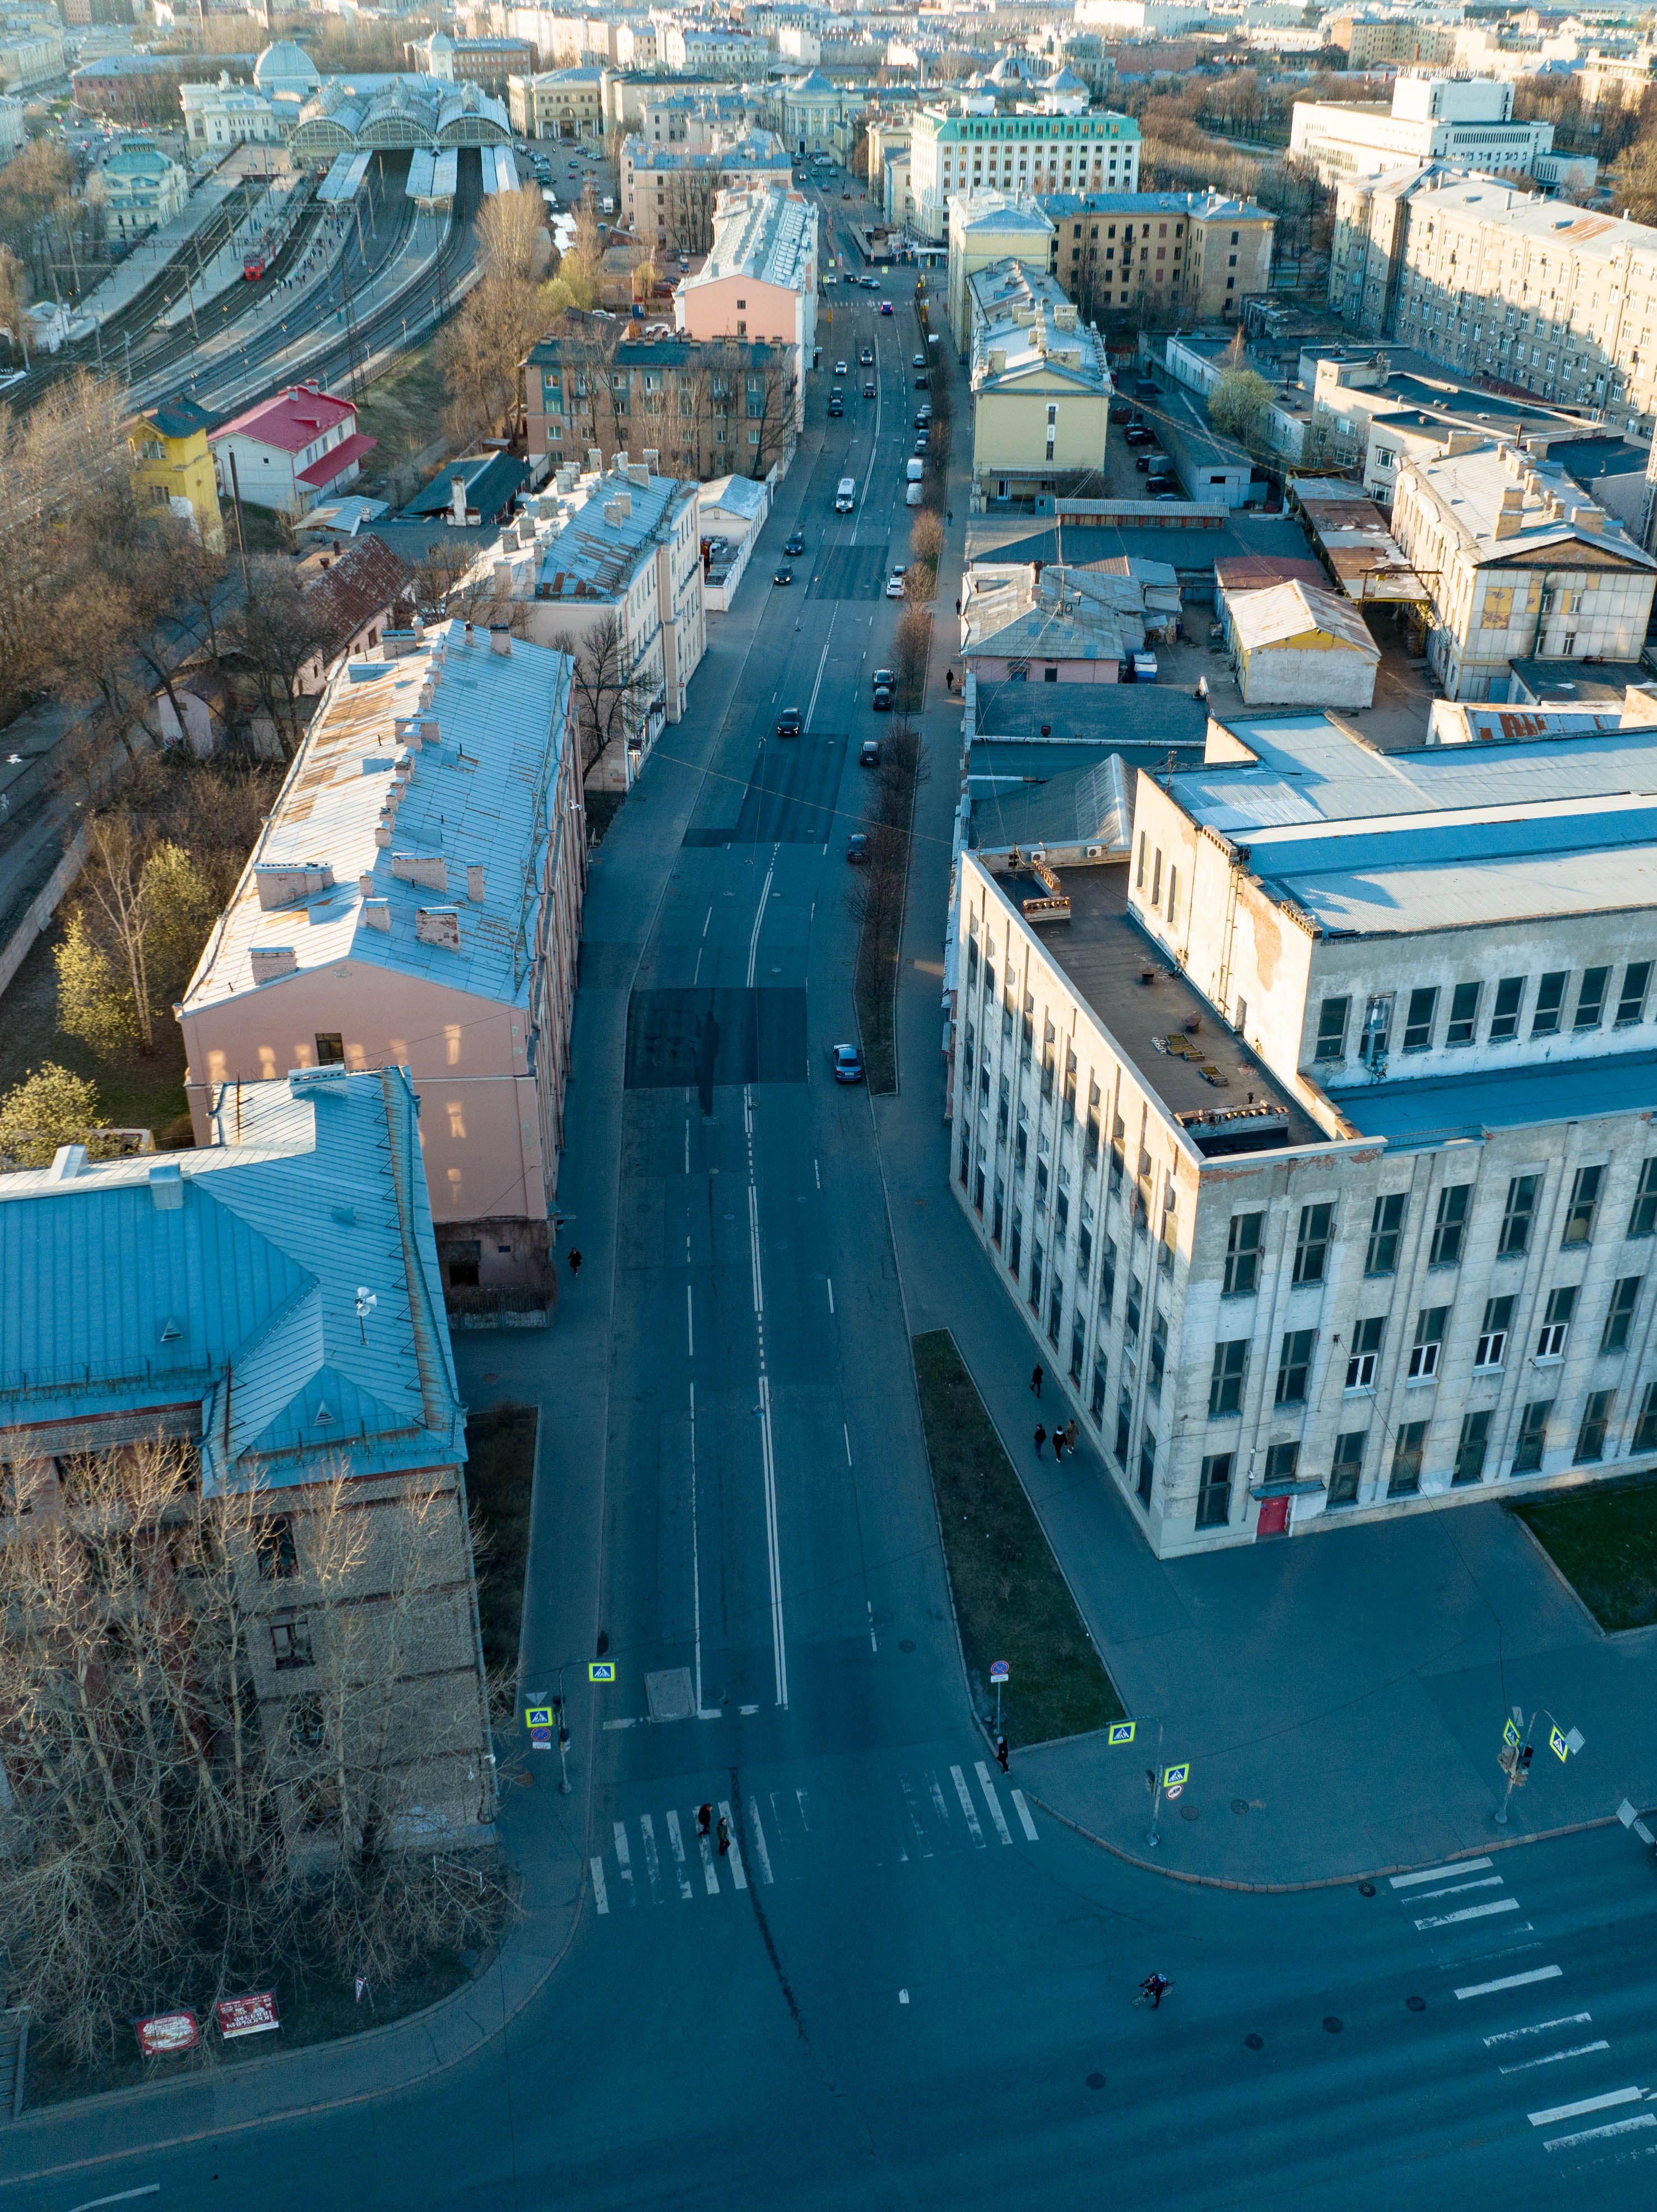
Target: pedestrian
x: 1001, y: 1752
x: 724, y: 1835
x: 1071, y: 1434
x: 1058, y: 1444
x: 575, y: 1263
x: 949, y: 679
x: 1036, y: 1373
x: 950, y: 513
x: 1041, y: 1438
x: 704, y: 1816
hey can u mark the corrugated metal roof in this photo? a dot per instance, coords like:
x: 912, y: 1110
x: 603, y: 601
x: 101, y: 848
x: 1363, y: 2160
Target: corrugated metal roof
x: 1283, y: 613
x: 1507, y: 1098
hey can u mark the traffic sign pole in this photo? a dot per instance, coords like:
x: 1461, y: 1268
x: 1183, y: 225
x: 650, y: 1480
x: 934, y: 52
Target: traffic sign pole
x: 999, y: 1673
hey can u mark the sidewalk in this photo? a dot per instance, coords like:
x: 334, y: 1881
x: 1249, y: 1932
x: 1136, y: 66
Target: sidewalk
x: 1340, y: 1696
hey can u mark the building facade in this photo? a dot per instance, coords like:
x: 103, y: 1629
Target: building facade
x: 143, y: 188
x: 709, y: 407
x: 955, y: 152
x: 1041, y: 385
x: 1469, y: 122
x: 1160, y: 256
x: 289, y: 451
x: 566, y: 103
x: 669, y: 192
x: 759, y: 278
x: 174, y: 467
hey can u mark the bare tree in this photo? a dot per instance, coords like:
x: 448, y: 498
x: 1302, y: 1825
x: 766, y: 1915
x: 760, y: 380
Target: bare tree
x: 276, y: 632
x: 609, y: 696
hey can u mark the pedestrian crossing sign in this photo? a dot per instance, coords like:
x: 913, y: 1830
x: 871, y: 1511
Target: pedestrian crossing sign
x: 1510, y: 1733
x: 602, y: 1670
x: 1122, y: 1731
x: 1175, y: 1778
x: 538, y: 1716
x: 1557, y: 1745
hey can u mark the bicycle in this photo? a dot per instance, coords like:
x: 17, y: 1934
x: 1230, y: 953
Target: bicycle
x: 1145, y: 1996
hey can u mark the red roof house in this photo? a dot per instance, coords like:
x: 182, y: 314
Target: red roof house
x: 288, y: 451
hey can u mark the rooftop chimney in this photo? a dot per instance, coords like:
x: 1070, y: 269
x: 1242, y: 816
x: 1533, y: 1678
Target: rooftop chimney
x: 376, y: 912
x: 639, y: 474
x: 595, y: 459
x: 1591, y: 518
x: 167, y: 1187
x: 66, y: 1163
x: 271, y: 961
x: 438, y: 924
x: 652, y: 459
x: 475, y: 883
x: 500, y: 638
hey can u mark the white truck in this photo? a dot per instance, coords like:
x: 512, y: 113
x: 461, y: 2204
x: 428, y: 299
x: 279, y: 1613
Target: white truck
x: 914, y: 470
x: 846, y: 497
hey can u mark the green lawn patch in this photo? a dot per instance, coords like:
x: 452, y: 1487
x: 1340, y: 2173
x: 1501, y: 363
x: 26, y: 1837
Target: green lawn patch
x: 1604, y: 1541
x: 500, y: 1483
x: 135, y: 1090
x: 1011, y: 1601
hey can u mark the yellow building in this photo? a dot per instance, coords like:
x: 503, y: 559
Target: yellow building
x: 174, y: 469
x: 1041, y: 387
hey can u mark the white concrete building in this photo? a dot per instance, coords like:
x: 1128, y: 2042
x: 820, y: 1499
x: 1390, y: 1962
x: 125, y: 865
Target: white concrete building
x: 1297, y: 646
x: 1518, y: 565
x: 1431, y: 118
x: 972, y: 147
x: 1314, y: 1146
x: 229, y: 114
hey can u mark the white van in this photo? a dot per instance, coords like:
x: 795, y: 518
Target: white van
x: 846, y: 497
x: 914, y: 471
x: 912, y: 496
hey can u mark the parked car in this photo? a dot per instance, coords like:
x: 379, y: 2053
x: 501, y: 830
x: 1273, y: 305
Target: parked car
x: 1143, y: 462
x: 869, y: 753
x: 894, y: 589
x: 856, y: 848
x: 923, y: 420
x: 1137, y: 435
x: 847, y: 1062
x: 919, y: 361
x: 922, y: 383
x: 789, y: 722
x: 784, y: 577
x: 921, y: 443
x: 884, y: 681
x: 795, y: 544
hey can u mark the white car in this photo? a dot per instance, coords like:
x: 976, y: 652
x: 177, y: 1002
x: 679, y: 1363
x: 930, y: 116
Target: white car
x: 840, y: 369
x: 894, y: 590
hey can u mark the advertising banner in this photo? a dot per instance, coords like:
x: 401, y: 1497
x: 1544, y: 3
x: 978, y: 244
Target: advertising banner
x: 165, y: 2032
x: 248, y: 2015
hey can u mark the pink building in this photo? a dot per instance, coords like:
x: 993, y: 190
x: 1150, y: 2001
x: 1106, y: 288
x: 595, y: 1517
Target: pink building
x: 289, y: 451
x: 760, y: 280
x: 414, y: 900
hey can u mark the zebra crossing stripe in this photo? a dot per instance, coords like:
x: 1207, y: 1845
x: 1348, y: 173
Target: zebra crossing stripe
x: 652, y: 1863
x: 760, y: 1852
x: 625, y: 1861
x: 677, y: 1844
x: 708, y: 1875
x: 738, y: 1874
x: 993, y: 1802
x: 599, y: 1889
x: 962, y: 1792
x: 1023, y: 1812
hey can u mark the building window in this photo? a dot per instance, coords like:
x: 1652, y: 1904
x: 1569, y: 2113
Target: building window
x: 1464, y: 1014
x: 1147, y: 1465
x: 1645, y: 1431
x: 1642, y: 1216
x: 1591, y: 999
x: 1365, y: 1355
x: 1504, y: 1020
x: 1346, y: 1469
x: 1331, y: 1029
x: 1226, y: 1383
x: 1637, y: 981
x: 1136, y: 1312
x: 1549, y: 1000
x: 1596, y: 1419
x: 1428, y: 1344
x: 1470, y: 1449
x: 1418, y: 1027
x: 330, y: 1051
x: 278, y: 1557
x: 464, y: 1259
x: 1282, y: 1462
x: 1533, y: 1436
x: 1517, y: 1216
x: 1491, y: 1350
x: 1620, y: 1317
x: 1557, y: 1323
x: 1385, y: 1228
x: 1585, y: 1196
x: 1406, y: 1479
x: 1293, y: 1363
x: 1096, y: 1406
x: 1214, y: 1491
x: 1311, y: 1245
x: 1243, y: 1255
x: 290, y: 1643
x: 1123, y: 1424
x: 1451, y: 1226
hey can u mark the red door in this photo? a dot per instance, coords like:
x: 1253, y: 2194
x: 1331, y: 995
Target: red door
x: 1274, y: 1517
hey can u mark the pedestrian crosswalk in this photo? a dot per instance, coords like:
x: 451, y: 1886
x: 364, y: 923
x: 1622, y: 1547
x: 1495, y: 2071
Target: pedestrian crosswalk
x: 684, y: 1853
x: 1574, y: 2131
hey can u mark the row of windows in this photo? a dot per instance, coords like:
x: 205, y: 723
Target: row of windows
x: 1245, y: 1238
x: 1466, y: 1002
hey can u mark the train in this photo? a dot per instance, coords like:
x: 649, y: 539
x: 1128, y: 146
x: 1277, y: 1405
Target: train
x: 253, y: 269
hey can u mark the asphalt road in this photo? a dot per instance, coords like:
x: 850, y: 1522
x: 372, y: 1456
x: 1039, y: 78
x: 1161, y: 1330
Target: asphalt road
x: 907, y: 1985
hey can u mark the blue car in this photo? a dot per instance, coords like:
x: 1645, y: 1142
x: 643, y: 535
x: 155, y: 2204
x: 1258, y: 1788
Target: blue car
x: 847, y: 1063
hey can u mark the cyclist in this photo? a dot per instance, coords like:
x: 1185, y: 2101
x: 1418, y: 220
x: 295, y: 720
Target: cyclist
x: 1153, y: 1985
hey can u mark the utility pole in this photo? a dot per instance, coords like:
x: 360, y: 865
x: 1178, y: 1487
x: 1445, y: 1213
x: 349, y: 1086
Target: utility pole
x: 242, y: 540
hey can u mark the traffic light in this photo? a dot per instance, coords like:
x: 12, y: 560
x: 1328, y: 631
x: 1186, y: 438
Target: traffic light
x: 1525, y: 1759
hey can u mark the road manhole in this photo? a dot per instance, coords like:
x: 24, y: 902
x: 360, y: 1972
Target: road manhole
x: 491, y: 1378
x: 1095, y: 2081
x: 906, y: 1644
x: 1331, y: 2025
x: 1188, y: 1811
x: 1254, y: 2042
x: 1366, y: 1889
x: 1239, y: 1804
x: 1416, y: 2004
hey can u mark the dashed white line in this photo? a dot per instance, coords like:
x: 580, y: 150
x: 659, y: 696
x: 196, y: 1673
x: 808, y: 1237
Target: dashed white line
x: 993, y: 1801
x: 599, y: 1890
x: 690, y: 1325
x: 1438, y: 1872
x: 962, y: 1792
x: 1470, y: 1912
x: 1553, y: 2058
x: 1599, y: 2134
x: 1512, y: 1982
x: 1542, y: 2027
x: 1600, y: 2104
x: 830, y: 1280
x: 1023, y: 1812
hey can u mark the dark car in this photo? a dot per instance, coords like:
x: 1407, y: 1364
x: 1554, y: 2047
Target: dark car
x: 856, y: 848
x: 795, y: 544
x: 869, y: 753
x: 847, y: 1061
x: 784, y: 577
x: 867, y: 357
x: 921, y: 382
x: 921, y: 443
x: 885, y: 307
x: 835, y: 408
x: 882, y: 690
x: 868, y: 391
x: 1143, y: 462
x: 1137, y: 435
x: 923, y: 420
x: 789, y: 722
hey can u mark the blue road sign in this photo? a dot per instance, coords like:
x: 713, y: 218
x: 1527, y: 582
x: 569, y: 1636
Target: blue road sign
x: 602, y: 1670
x: 1123, y: 1731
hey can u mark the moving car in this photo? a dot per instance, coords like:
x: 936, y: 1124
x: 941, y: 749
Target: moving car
x: 839, y: 368
x: 885, y: 307
x: 847, y: 1062
x: 845, y: 495
x: 919, y: 361
x: 921, y: 382
x: 869, y: 753
x: 866, y: 357
x: 796, y: 544
x: 789, y: 722
x: 883, y: 683
x: 835, y: 408
x: 868, y: 391
x: 784, y: 577
x: 856, y: 848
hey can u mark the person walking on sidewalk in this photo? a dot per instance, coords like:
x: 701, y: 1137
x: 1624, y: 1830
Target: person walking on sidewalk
x: 1071, y: 1434
x: 1041, y: 1438
x: 704, y: 1816
x: 724, y: 1835
x: 1036, y: 1374
x: 575, y: 1264
x: 1001, y: 1752
x: 1058, y: 1444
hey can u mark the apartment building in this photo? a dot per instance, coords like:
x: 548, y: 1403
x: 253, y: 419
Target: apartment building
x: 972, y: 147
x: 216, y: 1296
x: 669, y: 193
x: 1556, y: 300
x: 414, y: 902
x: 759, y: 278
x: 563, y: 103
x: 607, y: 564
x: 710, y: 406
x: 1518, y: 564
x: 143, y: 188
x: 722, y: 51
x: 1380, y: 411
x: 1468, y: 121
x: 1314, y: 1147
x: 174, y: 469
x: 1041, y: 385
x: 1392, y: 41
x: 989, y: 230
x: 1180, y: 257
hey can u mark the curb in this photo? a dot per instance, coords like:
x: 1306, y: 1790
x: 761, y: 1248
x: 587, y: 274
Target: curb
x: 1324, y: 1881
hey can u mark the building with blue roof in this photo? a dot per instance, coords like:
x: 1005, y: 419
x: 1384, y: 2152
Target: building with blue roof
x: 1358, y: 1215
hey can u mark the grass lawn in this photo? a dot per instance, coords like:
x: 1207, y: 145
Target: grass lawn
x: 500, y: 1483
x: 404, y: 410
x: 1011, y: 1601
x: 1604, y: 1541
x: 134, y: 1092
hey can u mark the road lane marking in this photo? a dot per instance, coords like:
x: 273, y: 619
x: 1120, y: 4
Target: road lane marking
x: 738, y: 1874
x: 599, y: 1890
x: 1603, y: 2103
x: 625, y: 1861
x: 1599, y: 2134
x: 760, y: 1852
x: 905, y: 1785
x: 811, y: 706
x: 1023, y: 1812
x: 938, y: 1804
x: 1438, y: 1872
x: 1512, y: 1982
x: 652, y: 1863
x: 993, y: 1801
x: 1470, y: 1912
x: 773, y: 1553
x: 1456, y: 1889
x: 676, y: 1843
x: 803, y: 1802
x: 1553, y: 2058
x: 830, y: 1280
x: 961, y: 1791
x: 695, y: 1563
x: 760, y: 912
x: 1514, y: 2034
x: 690, y: 1325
